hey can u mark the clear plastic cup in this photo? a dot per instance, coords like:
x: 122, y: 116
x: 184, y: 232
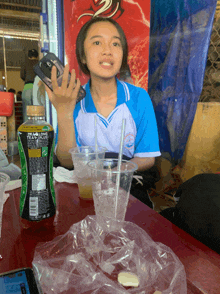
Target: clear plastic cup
x: 4, y: 179
x: 105, y: 180
x: 81, y: 156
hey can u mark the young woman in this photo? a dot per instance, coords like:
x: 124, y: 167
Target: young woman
x: 102, y: 51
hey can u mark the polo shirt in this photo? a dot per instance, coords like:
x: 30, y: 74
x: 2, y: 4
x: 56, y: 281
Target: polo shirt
x: 135, y: 106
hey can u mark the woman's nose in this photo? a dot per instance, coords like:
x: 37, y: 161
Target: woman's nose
x: 106, y: 49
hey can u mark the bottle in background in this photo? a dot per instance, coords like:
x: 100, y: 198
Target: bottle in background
x: 36, y: 146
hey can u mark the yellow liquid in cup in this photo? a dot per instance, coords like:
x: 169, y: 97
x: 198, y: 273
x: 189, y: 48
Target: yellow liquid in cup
x: 85, y: 191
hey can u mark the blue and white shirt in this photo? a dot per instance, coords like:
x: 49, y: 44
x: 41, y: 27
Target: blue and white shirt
x: 135, y: 106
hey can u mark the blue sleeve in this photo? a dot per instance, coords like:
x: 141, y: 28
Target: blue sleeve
x: 56, y: 138
x: 75, y: 115
x: 147, y: 140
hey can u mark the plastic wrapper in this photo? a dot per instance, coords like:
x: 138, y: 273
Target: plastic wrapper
x: 89, y: 257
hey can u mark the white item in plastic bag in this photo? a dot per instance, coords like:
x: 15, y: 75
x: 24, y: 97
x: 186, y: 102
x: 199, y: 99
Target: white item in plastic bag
x: 90, y: 256
x: 128, y: 279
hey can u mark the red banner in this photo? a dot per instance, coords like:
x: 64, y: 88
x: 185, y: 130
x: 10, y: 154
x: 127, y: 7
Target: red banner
x: 134, y: 18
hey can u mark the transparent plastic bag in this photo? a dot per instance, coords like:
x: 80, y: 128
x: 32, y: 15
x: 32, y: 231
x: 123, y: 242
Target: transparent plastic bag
x: 89, y: 257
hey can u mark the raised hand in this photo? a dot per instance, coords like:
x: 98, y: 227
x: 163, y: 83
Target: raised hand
x: 64, y: 98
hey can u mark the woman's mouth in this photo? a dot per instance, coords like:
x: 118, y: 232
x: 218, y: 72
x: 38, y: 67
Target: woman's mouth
x: 106, y: 64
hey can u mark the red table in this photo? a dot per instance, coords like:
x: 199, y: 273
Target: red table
x: 17, y: 246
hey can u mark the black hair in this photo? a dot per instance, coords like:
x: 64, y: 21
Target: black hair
x: 80, y: 53
x: 19, y: 96
x: 11, y: 90
x: 32, y: 53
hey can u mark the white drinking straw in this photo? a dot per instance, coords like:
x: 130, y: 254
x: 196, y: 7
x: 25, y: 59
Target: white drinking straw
x: 96, y: 139
x: 119, y: 164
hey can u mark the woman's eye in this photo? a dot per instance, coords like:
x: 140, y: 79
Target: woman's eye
x: 116, y: 44
x: 96, y: 43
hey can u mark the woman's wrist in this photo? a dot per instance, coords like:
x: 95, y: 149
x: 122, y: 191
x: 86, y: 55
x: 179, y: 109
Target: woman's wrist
x: 64, y: 116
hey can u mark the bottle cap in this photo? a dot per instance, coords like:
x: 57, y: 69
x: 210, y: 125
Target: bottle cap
x: 35, y: 110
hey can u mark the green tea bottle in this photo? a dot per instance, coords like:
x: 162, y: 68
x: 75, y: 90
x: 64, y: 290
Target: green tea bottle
x: 36, y: 146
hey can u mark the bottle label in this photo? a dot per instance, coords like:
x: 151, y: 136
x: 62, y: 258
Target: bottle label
x: 24, y: 128
x: 36, y: 146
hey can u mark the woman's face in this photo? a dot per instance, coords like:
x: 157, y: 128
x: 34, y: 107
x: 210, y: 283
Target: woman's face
x: 103, y: 50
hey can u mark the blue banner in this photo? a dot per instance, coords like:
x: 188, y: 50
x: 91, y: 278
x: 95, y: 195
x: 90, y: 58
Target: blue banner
x: 180, y: 34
